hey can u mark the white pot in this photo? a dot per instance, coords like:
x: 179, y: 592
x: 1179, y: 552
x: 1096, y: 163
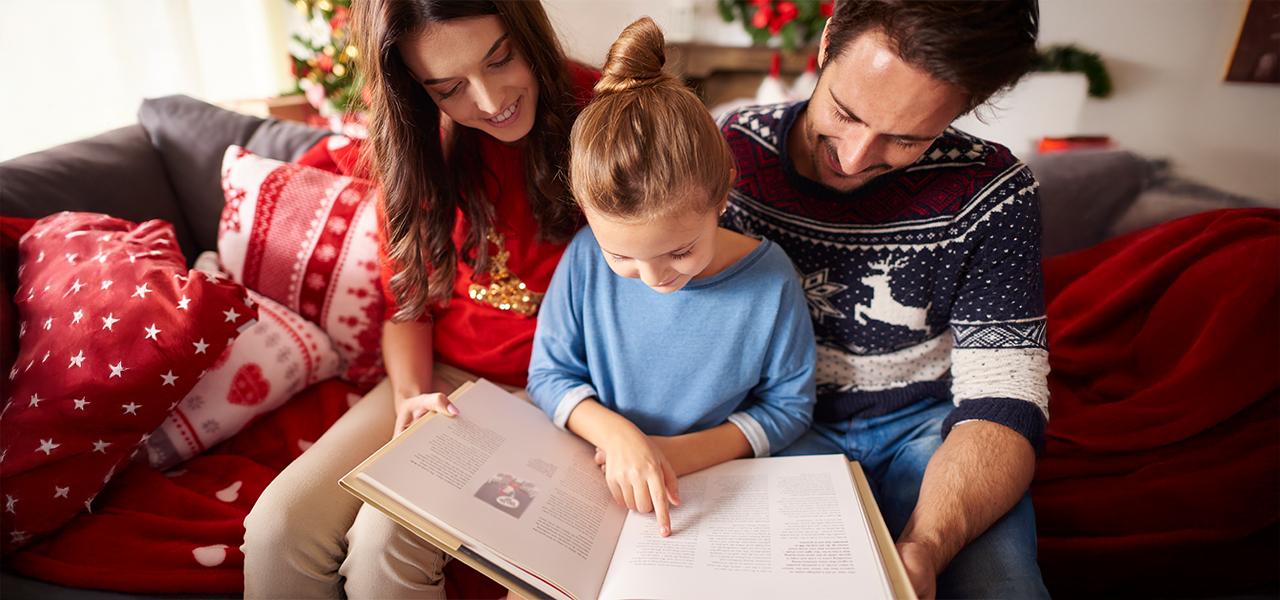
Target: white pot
x: 1043, y: 104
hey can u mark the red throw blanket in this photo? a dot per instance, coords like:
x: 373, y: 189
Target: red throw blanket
x: 1162, y: 464
x: 180, y: 531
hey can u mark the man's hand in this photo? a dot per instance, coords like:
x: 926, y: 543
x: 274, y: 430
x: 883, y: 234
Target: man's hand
x: 922, y: 573
x: 981, y: 471
x: 412, y: 409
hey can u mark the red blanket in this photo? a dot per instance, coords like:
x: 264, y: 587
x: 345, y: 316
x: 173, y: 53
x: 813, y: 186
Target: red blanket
x: 1162, y: 463
x: 180, y: 532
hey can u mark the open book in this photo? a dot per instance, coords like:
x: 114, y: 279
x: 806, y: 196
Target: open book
x: 504, y: 490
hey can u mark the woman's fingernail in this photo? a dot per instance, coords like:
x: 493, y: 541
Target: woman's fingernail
x: 664, y: 531
x: 453, y: 410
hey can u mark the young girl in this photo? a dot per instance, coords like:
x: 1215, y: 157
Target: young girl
x: 470, y: 107
x: 670, y: 343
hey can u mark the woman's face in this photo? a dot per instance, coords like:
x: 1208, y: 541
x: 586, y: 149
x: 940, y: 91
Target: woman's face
x: 475, y: 73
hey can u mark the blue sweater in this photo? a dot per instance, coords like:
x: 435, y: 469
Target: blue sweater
x: 923, y: 283
x: 737, y: 346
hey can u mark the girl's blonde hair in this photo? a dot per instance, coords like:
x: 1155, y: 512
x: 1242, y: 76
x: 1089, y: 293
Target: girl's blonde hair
x: 646, y: 147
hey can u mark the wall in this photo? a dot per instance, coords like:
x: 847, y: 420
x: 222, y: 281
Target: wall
x: 75, y: 68
x: 1167, y: 59
x: 588, y: 27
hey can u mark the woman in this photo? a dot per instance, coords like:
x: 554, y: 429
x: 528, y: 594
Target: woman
x: 470, y: 109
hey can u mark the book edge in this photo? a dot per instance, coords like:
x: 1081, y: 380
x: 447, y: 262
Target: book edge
x: 897, y: 573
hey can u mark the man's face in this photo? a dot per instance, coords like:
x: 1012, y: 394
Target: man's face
x: 870, y: 114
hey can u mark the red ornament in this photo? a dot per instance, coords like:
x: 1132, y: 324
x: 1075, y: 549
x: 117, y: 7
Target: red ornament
x: 340, y: 17
x: 826, y: 7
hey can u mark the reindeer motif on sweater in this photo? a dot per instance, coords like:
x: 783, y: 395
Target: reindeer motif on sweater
x: 883, y: 307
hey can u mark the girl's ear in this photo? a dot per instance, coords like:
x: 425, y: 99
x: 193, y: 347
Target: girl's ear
x: 724, y: 202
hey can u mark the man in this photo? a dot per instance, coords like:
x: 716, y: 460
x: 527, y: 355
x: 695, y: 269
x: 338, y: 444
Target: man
x: 919, y: 249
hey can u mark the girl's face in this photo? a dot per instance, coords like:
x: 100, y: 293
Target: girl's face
x: 664, y: 253
x: 475, y: 73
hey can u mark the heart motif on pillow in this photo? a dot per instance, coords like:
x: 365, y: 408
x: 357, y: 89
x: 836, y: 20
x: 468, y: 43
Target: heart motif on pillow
x: 114, y: 331
x: 249, y: 387
x: 307, y: 238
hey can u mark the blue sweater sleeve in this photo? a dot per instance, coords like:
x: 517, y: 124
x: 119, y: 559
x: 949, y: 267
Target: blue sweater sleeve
x: 558, y: 374
x: 781, y: 405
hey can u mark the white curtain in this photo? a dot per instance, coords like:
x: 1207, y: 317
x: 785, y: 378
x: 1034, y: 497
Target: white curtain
x: 74, y: 68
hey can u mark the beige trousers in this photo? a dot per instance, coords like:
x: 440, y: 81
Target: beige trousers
x: 306, y: 537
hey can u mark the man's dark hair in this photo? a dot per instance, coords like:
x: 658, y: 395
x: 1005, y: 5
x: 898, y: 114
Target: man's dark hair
x: 980, y: 46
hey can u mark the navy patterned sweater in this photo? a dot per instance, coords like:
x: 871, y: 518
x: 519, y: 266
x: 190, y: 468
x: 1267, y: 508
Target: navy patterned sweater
x: 925, y: 282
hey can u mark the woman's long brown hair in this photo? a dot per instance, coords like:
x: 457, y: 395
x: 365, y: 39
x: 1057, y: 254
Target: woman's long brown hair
x: 424, y: 182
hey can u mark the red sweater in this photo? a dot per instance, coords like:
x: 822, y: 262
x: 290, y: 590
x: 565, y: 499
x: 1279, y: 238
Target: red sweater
x: 479, y: 338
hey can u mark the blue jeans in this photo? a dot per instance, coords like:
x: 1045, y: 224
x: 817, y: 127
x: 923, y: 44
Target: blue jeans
x: 894, y: 450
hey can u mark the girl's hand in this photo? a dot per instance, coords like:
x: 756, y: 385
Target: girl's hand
x: 639, y: 476
x: 412, y: 409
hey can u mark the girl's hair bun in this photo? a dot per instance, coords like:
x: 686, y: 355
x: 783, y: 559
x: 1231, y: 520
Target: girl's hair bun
x: 635, y: 60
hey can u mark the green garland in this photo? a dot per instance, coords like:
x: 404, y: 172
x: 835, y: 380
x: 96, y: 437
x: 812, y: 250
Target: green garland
x: 1071, y: 59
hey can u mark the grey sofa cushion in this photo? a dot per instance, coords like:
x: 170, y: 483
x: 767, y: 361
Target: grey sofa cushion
x: 192, y: 135
x: 1082, y: 193
x: 117, y: 173
x: 1170, y: 196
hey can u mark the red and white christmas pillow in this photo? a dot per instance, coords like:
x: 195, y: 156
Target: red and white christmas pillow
x: 279, y: 356
x: 307, y: 238
x: 114, y: 331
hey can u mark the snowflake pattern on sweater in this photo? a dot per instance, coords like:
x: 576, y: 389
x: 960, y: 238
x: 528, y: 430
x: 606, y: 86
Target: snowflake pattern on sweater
x: 925, y: 282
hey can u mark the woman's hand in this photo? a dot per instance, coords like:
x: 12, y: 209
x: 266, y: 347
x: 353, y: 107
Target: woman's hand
x: 412, y: 409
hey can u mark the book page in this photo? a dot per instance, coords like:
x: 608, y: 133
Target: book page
x: 782, y: 527
x: 511, y: 486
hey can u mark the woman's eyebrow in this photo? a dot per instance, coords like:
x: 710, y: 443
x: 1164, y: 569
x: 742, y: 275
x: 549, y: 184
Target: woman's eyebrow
x: 492, y: 49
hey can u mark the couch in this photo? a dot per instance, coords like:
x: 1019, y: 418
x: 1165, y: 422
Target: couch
x: 1158, y: 479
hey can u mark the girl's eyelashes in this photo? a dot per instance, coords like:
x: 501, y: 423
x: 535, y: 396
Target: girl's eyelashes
x: 681, y: 255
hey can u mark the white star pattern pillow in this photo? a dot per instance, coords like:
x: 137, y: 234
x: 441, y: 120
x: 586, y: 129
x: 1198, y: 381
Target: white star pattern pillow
x: 270, y: 362
x: 110, y: 322
x: 307, y: 238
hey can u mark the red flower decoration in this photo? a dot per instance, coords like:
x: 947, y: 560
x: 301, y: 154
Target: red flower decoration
x: 764, y: 13
x: 826, y: 6
x: 325, y: 62
x: 787, y: 12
